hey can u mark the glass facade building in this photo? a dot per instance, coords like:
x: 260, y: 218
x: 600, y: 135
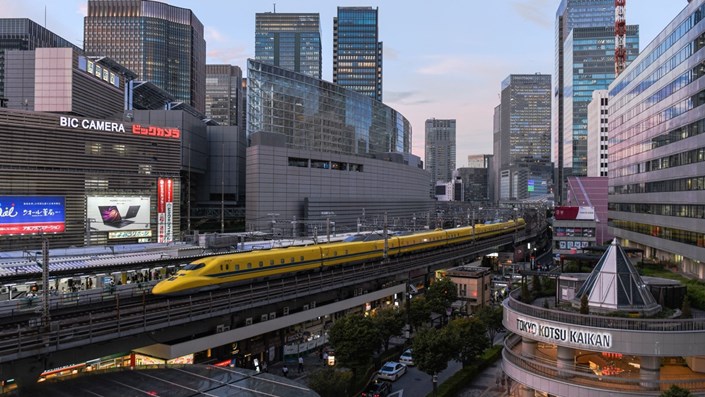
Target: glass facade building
x: 590, y: 54
x: 440, y: 149
x: 25, y: 34
x: 159, y: 42
x: 579, y: 14
x: 290, y: 41
x: 357, y: 51
x: 317, y: 115
x: 524, y: 135
x: 657, y: 146
x: 224, y: 97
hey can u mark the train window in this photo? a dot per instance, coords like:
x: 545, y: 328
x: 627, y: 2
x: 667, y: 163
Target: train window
x: 261, y: 264
x: 249, y: 265
x: 302, y: 259
x: 335, y: 253
x: 194, y: 266
x: 221, y: 268
x: 172, y: 278
x: 227, y: 266
x: 237, y: 267
x: 346, y: 252
x: 271, y: 262
x: 282, y: 261
x: 293, y: 259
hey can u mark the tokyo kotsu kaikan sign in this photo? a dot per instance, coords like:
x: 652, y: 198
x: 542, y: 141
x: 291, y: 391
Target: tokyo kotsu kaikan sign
x: 564, y: 335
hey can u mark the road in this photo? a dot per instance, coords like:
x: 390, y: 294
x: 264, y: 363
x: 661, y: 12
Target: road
x: 416, y: 383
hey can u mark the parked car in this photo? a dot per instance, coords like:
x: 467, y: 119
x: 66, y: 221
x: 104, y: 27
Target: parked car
x: 407, y: 358
x: 378, y: 388
x: 391, y: 371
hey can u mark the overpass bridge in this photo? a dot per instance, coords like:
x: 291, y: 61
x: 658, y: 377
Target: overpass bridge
x: 95, y: 326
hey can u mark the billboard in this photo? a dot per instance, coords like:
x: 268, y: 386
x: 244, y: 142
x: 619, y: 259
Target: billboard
x: 32, y: 214
x: 165, y: 210
x: 118, y: 213
x: 575, y: 213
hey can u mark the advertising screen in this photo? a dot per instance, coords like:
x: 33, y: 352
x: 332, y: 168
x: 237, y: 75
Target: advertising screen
x: 32, y: 214
x: 118, y: 213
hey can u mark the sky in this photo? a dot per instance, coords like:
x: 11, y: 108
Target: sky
x: 444, y: 59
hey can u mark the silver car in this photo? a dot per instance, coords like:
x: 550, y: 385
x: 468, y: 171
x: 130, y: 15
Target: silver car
x: 407, y: 358
x: 391, y: 371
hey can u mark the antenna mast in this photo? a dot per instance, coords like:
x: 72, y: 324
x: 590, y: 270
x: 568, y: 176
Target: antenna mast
x: 620, y: 34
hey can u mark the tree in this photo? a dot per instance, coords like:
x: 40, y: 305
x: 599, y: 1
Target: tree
x: 536, y: 283
x: 491, y: 318
x: 469, y: 339
x: 419, y: 312
x: 331, y: 382
x: 354, y: 338
x: 584, y: 304
x: 432, y: 351
x: 685, y: 308
x: 389, y: 322
x: 525, y: 294
x: 441, y: 294
x: 676, y: 391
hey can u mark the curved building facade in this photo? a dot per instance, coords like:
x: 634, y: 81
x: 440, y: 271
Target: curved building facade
x: 318, y: 115
x: 657, y: 146
x: 321, y: 155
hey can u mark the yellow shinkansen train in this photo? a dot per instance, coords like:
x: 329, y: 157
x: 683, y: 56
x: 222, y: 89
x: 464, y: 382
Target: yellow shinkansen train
x: 225, y: 270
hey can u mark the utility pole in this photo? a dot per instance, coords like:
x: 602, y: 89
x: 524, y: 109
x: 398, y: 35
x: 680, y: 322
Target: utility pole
x: 45, y: 281
x: 386, y: 241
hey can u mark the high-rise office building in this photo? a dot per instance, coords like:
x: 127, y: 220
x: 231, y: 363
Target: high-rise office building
x: 657, y: 156
x: 584, y: 62
x: 25, y: 34
x: 357, y: 51
x: 224, y: 94
x: 289, y: 40
x: 440, y: 149
x: 524, y: 134
x: 598, y: 134
x: 160, y: 42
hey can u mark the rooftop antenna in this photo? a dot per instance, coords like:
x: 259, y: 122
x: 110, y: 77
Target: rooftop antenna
x: 275, y: 8
x: 45, y: 16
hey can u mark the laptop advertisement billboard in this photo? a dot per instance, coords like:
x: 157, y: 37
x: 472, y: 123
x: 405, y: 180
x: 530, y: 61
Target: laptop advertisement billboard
x: 112, y: 213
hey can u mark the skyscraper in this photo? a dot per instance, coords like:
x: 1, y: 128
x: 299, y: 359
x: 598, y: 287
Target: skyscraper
x: 525, y: 133
x: 584, y: 62
x: 290, y: 41
x: 440, y: 149
x: 25, y: 34
x: 357, y: 51
x: 598, y: 134
x: 160, y: 42
x: 224, y: 94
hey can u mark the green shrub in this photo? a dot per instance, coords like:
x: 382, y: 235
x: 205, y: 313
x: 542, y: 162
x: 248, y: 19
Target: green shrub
x: 464, y: 377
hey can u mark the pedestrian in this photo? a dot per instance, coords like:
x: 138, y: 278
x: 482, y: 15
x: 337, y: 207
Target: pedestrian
x: 285, y: 370
x: 301, y: 364
x: 325, y: 358
x: 264, y: 366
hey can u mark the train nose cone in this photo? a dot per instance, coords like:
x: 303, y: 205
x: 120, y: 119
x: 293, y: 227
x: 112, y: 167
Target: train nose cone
x: 161, y: 288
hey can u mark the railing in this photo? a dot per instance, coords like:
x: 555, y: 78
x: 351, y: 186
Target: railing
x: 109, y: 317
x: 597, y: 321
x: 585, y: 377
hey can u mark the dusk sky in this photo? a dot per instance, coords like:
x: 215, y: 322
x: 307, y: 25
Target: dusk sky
x: 442, y: 59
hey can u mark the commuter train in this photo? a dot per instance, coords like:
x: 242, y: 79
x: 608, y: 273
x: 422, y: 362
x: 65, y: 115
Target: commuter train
x: 226, y: 270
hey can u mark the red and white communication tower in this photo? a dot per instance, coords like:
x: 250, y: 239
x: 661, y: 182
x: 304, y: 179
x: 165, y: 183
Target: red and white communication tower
x: 620, y: 37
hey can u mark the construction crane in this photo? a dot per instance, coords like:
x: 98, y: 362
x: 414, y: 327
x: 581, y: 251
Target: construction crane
x: 620, y: 37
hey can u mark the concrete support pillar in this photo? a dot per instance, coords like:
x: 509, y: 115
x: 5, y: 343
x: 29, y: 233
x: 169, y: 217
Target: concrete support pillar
x: 525, y: 391
x: 528, y: 347
x: 565, y: 360
x: 650, y: 372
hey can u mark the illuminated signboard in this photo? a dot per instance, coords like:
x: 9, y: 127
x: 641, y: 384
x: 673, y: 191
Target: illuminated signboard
x: 165, y: 210
x: 32, y: 214
x: 118, y: 213
x: 130, y: 234
x: 112, y: 126
x: 570, y: 335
